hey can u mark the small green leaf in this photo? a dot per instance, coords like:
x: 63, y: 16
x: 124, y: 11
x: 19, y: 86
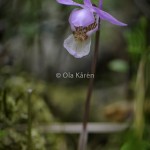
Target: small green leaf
x: 118, y: 65
x: 134, y: 143
x: 2, y: 134
x: 136, y: 38
x: 93, y: 1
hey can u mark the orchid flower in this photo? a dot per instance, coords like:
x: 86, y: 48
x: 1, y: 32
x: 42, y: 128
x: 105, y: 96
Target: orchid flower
x: 84, y: 22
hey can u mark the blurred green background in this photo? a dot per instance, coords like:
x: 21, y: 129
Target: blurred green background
x: 32, y: 53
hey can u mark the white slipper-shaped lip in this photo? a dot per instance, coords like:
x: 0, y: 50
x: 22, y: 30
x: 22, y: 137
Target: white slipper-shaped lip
x: 78, y: 49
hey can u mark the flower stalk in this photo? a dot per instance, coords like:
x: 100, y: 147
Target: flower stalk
x: 84, y: 135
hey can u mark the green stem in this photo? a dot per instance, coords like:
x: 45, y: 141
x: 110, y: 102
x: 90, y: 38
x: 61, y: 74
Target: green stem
x: 29, y: 119
x: 5, y: 103
x: 139, y: 100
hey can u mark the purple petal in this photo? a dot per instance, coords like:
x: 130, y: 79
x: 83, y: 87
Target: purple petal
x: 106, y: 16
x: 81, y: 17
x: 77, y: 48
x: 87, y: 2
x: 69, y: 2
